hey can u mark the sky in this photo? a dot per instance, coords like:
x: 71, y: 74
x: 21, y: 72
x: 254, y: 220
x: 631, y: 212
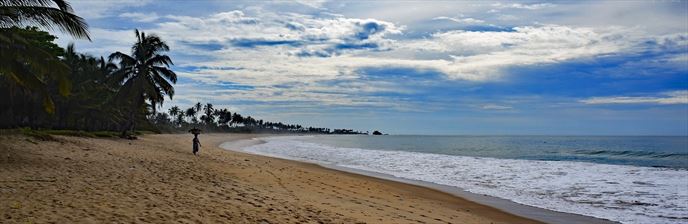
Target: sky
x: 420, y: 67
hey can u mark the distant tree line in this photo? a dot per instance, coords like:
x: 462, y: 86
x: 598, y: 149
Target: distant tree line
x: 222, y: 120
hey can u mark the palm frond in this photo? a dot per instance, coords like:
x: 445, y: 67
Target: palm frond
x: 165, y: 86
x: 167, y: 73
x: 124, y: 59
x: 159, y: 60
x: 47, y: 17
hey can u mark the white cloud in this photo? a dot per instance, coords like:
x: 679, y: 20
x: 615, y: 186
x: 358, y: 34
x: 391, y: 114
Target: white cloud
x: 94, y: 9
x: 312, y: 3
x: 474, y: 55
x: 674, y: 97
x: 507, y: 17
x: 523, y: 6
x: 495, y: 107
x: 482, y: 55
x: 305, y: 34
x: 460, y: 20
x: 266, y: 46
x: 656, y: 17
x: 140, y: 17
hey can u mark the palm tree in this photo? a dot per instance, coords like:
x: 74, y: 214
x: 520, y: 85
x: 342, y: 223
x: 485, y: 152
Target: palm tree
x: 209, y: 114
x: 224, y: 116
x: 174, y: 111
x: 42, y: 13
x: 25, y: 64
x: 144, y: 75
x: 237, y: 118
x: 89, y: 99
x: 180, y: 118
x: 198, y: 107
x: 191, y: 113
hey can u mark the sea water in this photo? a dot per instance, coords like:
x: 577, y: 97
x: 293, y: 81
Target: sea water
x: 625, y: 179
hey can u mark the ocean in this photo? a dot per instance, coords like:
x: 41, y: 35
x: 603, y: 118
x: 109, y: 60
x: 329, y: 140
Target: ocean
x: 630, y: 179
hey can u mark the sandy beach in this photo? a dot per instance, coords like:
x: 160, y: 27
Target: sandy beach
x: 156, y: 179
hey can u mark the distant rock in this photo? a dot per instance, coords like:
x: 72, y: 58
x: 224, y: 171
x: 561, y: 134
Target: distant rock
x: 377, y: 133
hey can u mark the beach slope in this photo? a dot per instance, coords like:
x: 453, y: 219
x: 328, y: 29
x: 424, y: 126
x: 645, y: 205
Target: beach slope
x: 156, y: 179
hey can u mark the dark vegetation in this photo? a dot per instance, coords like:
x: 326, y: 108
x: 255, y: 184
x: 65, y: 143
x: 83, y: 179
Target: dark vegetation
x: 223, y: 120
x: 60, y: 91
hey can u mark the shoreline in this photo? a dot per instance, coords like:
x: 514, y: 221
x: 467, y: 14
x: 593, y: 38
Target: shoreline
x: 156, y: 179
x: 527, y: 211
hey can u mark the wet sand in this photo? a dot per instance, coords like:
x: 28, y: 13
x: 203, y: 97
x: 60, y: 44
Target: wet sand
x: 156, y: 179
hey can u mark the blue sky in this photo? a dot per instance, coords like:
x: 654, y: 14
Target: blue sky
x: 421, y: 67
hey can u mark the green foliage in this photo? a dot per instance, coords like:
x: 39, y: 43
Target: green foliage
x: 47, y: 134
x: 39, y: 38
x: 39, y: 135
x: 144, y: 76
x: 26, y: 60
x: 27, y: 56
x: 222, y: 120
x: 42, y: 13
x: 80, y: 133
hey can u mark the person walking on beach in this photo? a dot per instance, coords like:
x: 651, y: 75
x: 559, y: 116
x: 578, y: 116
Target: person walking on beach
x: 196, y: 144
x: 196, y: 141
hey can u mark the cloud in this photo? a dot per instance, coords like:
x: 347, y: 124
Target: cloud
x: 460, y: 20
x: 523, y: 6
x: 297, y: 34
x: 507, y: 17
x: 483, y: 55
x: 90, y: 9
x: 320, y: 57
x: 312, y: 3
x: 140, y: 17
x: 495, y: 107
x: 251, y: 43
x: 673, y: 97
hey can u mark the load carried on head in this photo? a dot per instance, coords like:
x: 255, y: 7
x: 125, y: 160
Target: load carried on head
x: 195, y: 131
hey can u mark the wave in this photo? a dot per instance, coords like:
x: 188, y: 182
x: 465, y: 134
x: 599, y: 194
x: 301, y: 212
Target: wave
x: 629, y: 194
x: 630, y: 153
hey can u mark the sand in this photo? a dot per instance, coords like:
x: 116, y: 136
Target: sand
x: 156, y: 179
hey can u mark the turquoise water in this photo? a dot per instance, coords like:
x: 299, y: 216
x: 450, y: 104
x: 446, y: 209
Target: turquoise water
x: 650, y: 151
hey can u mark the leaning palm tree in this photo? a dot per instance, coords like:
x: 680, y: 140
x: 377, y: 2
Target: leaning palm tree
x: 28, y: 65
x: 144, y: 76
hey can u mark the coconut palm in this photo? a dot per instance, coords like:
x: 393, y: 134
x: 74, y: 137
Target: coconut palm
x: 198, y: 107
x: 209, y: 114
x: 174, y: 112
x: 26, y: 64
x: 43, y: 13
x: 145, y: 75
x: 224, y: 116
x: 191, y: 113
x: 180, y: 118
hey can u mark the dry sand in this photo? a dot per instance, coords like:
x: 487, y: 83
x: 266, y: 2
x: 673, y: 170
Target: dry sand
x: 156, y: 179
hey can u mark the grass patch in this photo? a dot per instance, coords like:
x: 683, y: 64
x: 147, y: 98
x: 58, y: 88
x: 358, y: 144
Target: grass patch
x: 40, y: 135
x: 87, y: 134
x: 106, y: 134
x: 47, y: 134
x: 142, y: 132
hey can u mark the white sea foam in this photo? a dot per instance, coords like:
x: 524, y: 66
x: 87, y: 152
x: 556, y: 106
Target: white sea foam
x: 628, y: 194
